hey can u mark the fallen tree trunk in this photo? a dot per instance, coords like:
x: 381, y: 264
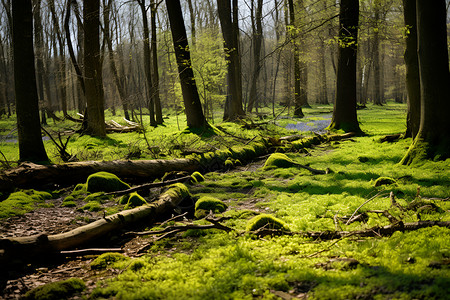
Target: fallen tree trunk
x: 31, y: 175
x: 31, y: 247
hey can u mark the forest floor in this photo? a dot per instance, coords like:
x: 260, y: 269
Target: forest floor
x: 212, y: 264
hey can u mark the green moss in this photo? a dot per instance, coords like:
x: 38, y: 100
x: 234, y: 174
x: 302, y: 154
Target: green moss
x: 68, y: 203
x: 19, y: 203
x: 206, y: 204
x: 384, y: 181
x: 178, y: 190
x: 132, y: 200
x: 266, y: 221
x: 79, y: 191
x: 99, y: 196
x: 107, y: 259
x: 278, y: 160
x: 56, y: 290
x: 105, y: 182
x: 92, y: 206
x: 197, y: 177
x: 229, y: 163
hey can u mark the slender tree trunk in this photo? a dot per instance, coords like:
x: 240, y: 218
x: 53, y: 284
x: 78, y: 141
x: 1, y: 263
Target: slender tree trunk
x: 257, y: 41
x: 412, y: 70
x: 93, y: 70
x: 323, y: 87
x: 192, y: 19
x: 31, y: 147
x: 192, y: 104
x: 297, y: 71
x: 147, y: 63
x: 158, y: 109
x: 376, y: 56
x: 433, y: 139
x: 344, y: 114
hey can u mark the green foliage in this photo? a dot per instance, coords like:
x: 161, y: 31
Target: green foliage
x: 56, y: 290
x: 21, y: 202
x: 105, y: 182
x: 278, y: 160
x: 206, y: 204
x: 266, y: 221
x: 106, y: 260
x: 92, y: 206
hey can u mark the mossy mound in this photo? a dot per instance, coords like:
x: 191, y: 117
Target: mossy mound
x: 266, y: 221
x: 92, y: 206
x: 206, y: 204
x: 197, y: 177
x: 106, y: 259
x: 21, y: 202
x: 278, y: 160
x: 178, y: 190
x: 132, y: 200
x: 105, y: 182
x: 56, y: 290
x: 384, y: 181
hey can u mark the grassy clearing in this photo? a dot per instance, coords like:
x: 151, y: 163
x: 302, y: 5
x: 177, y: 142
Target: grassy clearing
x: 238, y: 265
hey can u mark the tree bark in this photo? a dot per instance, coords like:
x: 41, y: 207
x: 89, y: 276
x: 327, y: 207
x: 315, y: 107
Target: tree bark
x: 412, y: 69
x: 158, y: 109
x: 31, y: 147
x: 191, y: 99
x: 257, y: 41
x: 344, y: 114
x: 433, y: 139
x: 93, y: 70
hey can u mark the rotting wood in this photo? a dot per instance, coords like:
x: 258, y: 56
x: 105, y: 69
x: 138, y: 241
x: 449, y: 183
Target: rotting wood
x: 38, y: 246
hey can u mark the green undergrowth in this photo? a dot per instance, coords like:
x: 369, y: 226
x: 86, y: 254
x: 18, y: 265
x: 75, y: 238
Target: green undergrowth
x: 56, y: 290
x: 240, y: 265
x: 21, y: 202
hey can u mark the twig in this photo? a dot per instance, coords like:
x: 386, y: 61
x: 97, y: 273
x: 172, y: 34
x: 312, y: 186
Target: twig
x: 367, y: 201
x: 327, y: 248
x: 82, y: 252
x: 174, y: 218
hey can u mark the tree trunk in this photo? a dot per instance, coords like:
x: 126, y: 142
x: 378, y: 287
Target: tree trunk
x: 93, y: 70
x: 191, y: 99
x: 228, y: 15
x: 158, y: 109
x: 412, y: 70
x: 376, y: 56
x: 433, y: 139
x: 147, y: 63
x: 297, y: 71
x: 344, y: 114
x: 31, y: 147
x: 257, y: 41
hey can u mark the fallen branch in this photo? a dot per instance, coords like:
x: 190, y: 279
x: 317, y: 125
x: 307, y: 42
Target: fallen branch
x: 89, y: 251
x: 40, y: 245
x: 367, y: 201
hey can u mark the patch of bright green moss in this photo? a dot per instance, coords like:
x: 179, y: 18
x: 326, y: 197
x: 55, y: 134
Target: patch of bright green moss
x: 98, y: 196
x: 68, y: 203
x: 56, y: 290
x: 178, y: 190
x: 266, y: 221
x: 19, y: 203
x: 278, y: 160
x: 105, y: 182
x: 92, y: 206
x: 206, y: 204
x: 384, y: 181
x: 133, y: 200
x: 107, y: 259
x: 197, y: 177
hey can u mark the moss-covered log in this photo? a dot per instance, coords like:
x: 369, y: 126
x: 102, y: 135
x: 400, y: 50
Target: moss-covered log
x: 30, y: 247
x: 32, y: 175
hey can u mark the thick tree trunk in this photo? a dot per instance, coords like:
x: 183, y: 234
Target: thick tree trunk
x: 93, y: 70
x: 39, y: 246
x: 191, y: 99
x: 31, y: 147
x: 412, y: 69
x: 344, y: 114
x: 433, y: 139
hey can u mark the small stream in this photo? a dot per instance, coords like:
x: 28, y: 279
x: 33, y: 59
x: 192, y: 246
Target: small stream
x: 317, y: 126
